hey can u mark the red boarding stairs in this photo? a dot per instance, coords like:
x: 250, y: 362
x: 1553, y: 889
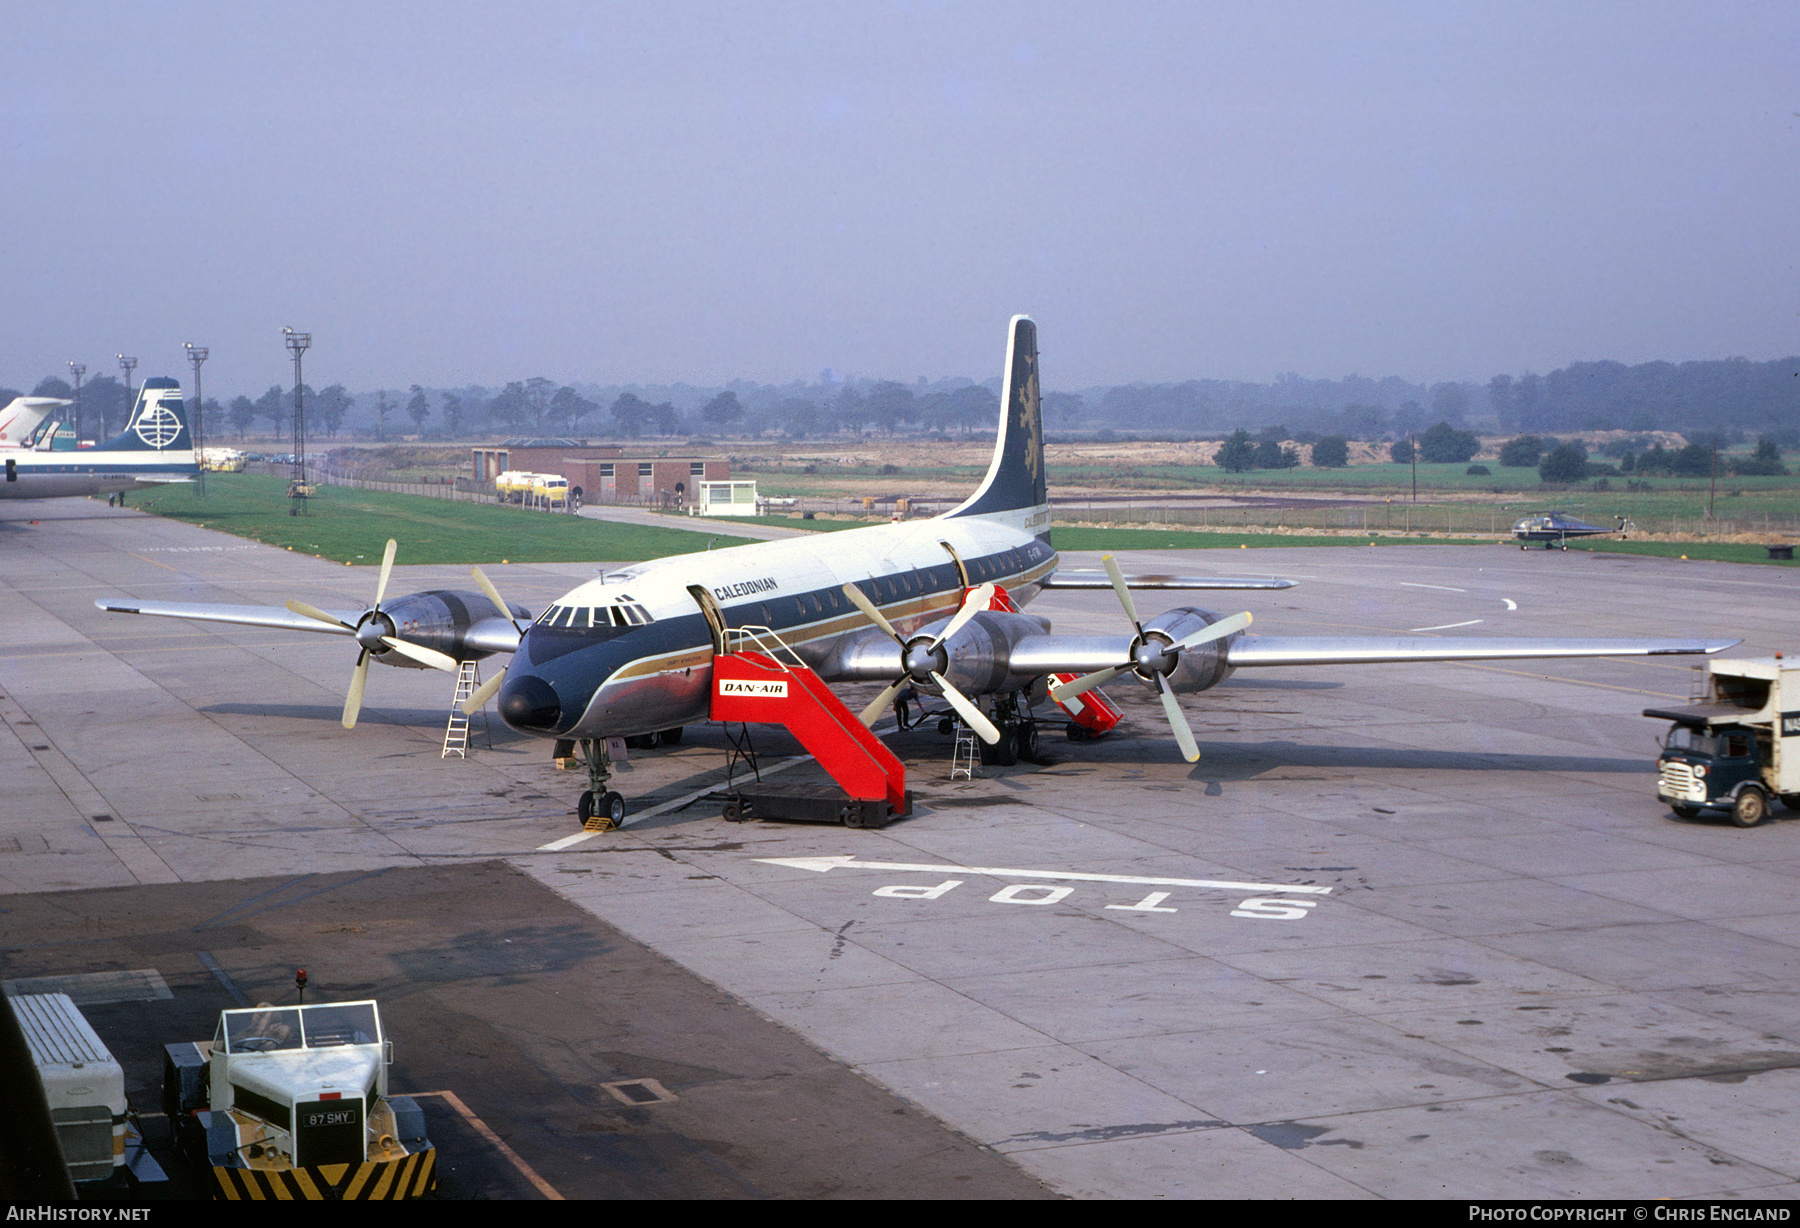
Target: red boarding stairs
x: 759, y: 679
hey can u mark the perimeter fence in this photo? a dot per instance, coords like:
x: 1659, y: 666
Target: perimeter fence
x: 1398, y: 516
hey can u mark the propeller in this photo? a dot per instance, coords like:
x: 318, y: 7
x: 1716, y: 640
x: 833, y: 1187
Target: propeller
x: 1151, y: 660
x: 919, y: 658
x: 488, y: 689
x: 373, y: 630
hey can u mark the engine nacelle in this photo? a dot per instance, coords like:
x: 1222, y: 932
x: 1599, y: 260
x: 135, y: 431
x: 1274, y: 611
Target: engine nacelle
x: 981, y: 653
x: 977, y: 658
x: 1203, y: 666
x: 459, y: 624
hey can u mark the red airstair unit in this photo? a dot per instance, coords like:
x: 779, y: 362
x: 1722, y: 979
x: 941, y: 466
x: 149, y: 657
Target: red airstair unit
x: 760, y: 680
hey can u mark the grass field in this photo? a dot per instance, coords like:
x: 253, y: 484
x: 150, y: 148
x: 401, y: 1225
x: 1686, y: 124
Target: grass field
x: 352, y: 526
x: 1093, y: 537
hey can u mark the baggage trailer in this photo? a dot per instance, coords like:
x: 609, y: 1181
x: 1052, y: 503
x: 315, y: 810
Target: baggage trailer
x: 85, y: 1088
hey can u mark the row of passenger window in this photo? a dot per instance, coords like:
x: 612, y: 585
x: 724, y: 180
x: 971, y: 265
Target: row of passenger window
x: 887, y: 588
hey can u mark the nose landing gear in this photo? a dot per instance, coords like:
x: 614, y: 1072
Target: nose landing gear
x: 601, y: 812
x: 600, y: 808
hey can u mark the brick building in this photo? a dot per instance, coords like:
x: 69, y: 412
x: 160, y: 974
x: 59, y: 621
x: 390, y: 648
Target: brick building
x: 603, y: 473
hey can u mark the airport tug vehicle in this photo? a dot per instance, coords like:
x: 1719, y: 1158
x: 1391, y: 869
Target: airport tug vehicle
x: 1736, y: 749
x: 291, y: 1102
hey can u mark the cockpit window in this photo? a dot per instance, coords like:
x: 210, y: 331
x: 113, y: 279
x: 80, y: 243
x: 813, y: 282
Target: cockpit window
x: 582, y: 617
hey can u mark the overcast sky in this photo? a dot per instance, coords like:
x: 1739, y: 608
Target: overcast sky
x: 448, y: 193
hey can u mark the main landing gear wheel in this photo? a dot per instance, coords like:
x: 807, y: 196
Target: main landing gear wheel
x: 603, y: 813
x: 1750, y: 808
x: 1005, y: 752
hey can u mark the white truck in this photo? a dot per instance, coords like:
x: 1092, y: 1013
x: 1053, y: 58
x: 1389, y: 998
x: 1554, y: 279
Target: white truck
x: 1738, y: 748
x: 291, y: 1102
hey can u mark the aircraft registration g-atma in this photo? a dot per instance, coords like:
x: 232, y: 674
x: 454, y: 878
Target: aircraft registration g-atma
x: 630, y: 654
x: 154, y: 448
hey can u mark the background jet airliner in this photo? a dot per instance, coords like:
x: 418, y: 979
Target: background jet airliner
x: 630, y: 654
x: 154, y: 448
x: 20, y: 420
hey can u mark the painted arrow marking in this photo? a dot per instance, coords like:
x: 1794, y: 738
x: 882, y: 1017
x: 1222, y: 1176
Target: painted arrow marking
x: 1448, y: 626
x: 821, y: 864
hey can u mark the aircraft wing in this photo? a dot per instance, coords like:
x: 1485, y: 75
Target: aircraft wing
x: 1099, y: 579
x: 244, y: 615
x: 1249, y: 650
x: 1080, y: 654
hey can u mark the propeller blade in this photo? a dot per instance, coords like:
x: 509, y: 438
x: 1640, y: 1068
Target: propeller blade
x: 353, y: 697
x: 1081, y: 686
x: 1184, y: 735
x: 977, y: 601
x: 493, y: 595
x: 483, y: 693
x: 1118, y: 582
x: 861, y: 601
x: 387, y: 569
x: 421, y: 654
x: 1218, y: 631
x: 873, y: 712
x: 971, y: 715
x: 313, y: 611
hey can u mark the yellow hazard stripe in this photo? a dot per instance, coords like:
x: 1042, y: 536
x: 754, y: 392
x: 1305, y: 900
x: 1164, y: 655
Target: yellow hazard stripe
x: 411, y: 1176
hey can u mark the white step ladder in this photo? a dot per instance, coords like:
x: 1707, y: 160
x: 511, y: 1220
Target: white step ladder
x: 456, y: 729
x: 964, y: 758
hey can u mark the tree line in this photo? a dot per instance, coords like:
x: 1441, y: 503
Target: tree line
x: 1735, y: 399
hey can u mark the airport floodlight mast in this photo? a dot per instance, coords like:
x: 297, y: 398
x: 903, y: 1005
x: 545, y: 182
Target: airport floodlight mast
x: 77, y: 369
x: 297, y: 344
x: 127, y: 365
x: 197, y: 355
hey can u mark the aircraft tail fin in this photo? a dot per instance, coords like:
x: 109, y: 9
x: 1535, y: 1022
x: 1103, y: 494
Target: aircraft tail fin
x: 158, y: 421
x: 1014, y: 486
x: 20, y: 420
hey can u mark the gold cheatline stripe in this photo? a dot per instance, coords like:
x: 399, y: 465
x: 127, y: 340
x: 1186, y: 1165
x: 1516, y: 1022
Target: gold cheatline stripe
x: 689, y: 658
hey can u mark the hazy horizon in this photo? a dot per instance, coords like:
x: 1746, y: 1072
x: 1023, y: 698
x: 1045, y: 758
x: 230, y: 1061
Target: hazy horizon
x: 454, y: 193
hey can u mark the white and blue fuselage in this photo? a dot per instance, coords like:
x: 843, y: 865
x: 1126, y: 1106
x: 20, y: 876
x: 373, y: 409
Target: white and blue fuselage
x: 631, y: 652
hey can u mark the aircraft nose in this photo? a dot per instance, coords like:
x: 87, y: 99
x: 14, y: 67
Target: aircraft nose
x: 529, y: 702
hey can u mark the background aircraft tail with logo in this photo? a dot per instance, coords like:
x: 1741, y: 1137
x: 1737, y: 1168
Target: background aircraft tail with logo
x: 158, y: 421
x: 20, y: 421
x: 154, y: 448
